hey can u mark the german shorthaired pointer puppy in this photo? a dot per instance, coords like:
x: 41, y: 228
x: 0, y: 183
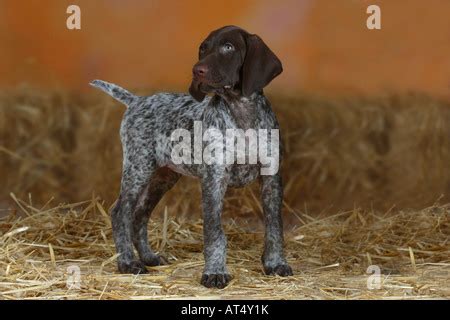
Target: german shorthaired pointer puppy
x: 234, y: 66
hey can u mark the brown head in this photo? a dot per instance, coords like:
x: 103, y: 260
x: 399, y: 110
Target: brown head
x: 232, y: 59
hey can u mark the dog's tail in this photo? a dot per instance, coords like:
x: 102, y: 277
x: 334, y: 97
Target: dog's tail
x: 118, y: 93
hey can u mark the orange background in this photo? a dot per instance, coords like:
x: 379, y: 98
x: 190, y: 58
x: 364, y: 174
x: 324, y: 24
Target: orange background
x: 324, y: 44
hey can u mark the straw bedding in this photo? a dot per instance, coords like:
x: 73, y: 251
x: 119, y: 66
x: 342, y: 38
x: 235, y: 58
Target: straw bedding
x: 329, y: 255
x: 352, y: 168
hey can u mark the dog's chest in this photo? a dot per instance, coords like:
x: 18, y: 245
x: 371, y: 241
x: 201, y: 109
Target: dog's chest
x: 243, y: 115
x: 220, y: 126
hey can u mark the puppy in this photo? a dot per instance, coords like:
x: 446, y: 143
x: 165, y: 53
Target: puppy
x: 226, y: 94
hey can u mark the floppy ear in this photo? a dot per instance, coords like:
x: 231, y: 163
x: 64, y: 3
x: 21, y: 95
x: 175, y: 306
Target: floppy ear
x: 260, y: 66
x: 195, y: 92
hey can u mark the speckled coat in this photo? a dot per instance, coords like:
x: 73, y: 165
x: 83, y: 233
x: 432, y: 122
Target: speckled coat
x: 148, y: 172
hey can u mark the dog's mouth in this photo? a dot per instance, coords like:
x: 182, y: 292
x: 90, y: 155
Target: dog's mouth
x: 199, y: 88
x: 211, y: 87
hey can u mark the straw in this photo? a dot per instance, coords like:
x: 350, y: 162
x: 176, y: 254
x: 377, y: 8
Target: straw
x: 329, y: 257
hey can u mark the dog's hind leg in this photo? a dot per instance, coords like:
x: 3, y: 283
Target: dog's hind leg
x: 161, y: 182
x: 134, y: 183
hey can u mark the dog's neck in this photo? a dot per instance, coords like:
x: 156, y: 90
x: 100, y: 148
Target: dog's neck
x: 242, y: 109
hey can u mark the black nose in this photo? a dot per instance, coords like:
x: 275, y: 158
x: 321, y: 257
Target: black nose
x: 200, y: 70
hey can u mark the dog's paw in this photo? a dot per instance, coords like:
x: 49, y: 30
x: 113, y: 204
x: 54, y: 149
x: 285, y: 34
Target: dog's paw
x: 133, y: 267
x: 282, y: 270
x: 219, y: 280
x: 154, y: 260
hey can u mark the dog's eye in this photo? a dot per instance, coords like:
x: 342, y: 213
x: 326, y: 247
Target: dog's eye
x: 228, y: 47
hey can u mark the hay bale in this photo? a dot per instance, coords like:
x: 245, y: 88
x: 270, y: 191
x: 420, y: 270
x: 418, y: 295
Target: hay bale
x: 372, y: 152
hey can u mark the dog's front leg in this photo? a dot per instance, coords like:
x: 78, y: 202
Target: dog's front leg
x: 272, y: 198
x: 214, y: 185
